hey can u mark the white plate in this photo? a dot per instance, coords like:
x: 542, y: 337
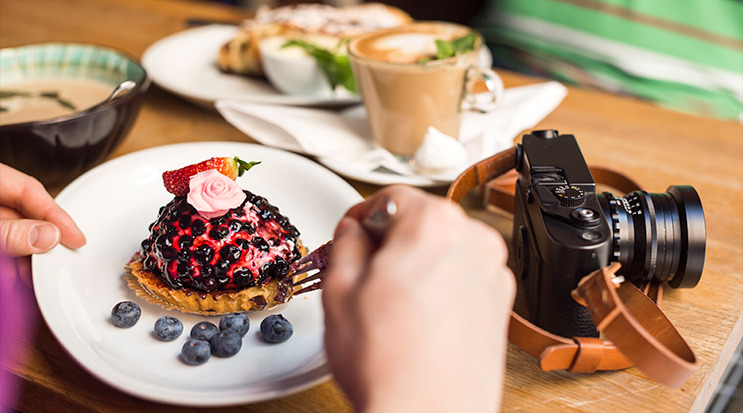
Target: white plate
x: 185, y: 63
x: 113, y: 204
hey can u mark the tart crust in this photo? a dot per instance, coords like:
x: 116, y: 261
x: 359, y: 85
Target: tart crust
x: 149, y: 286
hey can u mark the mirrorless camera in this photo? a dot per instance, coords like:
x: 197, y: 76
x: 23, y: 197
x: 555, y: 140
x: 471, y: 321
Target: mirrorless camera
x: 563, y: 230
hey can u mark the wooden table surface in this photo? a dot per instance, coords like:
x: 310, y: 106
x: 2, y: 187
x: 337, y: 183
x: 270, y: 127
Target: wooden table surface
x: 654, y: 146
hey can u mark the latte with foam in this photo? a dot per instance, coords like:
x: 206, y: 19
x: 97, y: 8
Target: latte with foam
x: 404, y: 88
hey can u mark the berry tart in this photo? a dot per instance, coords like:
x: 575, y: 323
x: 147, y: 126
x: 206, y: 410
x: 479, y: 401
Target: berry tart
x: 215, y: 248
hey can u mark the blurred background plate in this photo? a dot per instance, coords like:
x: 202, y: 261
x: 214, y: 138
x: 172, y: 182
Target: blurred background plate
x: 185, y: 64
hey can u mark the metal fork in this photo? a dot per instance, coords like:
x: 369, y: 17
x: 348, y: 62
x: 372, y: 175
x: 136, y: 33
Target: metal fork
x: 375, y: 224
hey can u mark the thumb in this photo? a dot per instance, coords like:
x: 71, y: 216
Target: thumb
x: 20, y: 237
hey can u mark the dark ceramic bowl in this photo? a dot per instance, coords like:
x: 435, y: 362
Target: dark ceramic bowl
x: 59, y: 149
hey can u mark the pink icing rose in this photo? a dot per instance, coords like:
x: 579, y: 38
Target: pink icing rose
x: 213, y: 194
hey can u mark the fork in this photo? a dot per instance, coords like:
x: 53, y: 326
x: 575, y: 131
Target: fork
x: 375, y: 224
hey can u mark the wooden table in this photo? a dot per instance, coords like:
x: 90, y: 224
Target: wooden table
x: 654, y: 146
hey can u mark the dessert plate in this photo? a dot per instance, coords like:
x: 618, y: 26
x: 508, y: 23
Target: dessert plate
x: 185, y: 63
x: 113, y: 204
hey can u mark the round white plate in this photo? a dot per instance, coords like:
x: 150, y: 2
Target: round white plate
x: 113, y: 204
x: 185, y: 63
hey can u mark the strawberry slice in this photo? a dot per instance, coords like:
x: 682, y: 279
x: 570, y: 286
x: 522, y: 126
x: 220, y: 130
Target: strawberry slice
x: 176, y: 182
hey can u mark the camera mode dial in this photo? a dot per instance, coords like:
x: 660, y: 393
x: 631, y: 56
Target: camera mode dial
x: 569, y: 195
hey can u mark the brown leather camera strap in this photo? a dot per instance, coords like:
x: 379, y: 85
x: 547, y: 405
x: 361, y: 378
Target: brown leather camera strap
x: 640, y: 333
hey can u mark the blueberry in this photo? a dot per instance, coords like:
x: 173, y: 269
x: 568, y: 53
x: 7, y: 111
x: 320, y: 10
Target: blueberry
x: 184, y: 255
x: 203, y: 254
x: 195, y: 352
x: 198, y: 227
x: 238, y: 322
x: 260, y: 243
x: 168, y: 328
x: 184, y: 222
x: 242, y: 276
x: 222, y: 267
x: 279, y: 268
x: 266, y: 214
x: 125, y: 314
x: 204, y: 330
x: 226, y: 343
x: 235, y: 225
x: 218, y: 233
x: 185, y: 241
x: 206, y: 283
x: 146, y: 246
x: 276, y: 329
x: 231, y: 253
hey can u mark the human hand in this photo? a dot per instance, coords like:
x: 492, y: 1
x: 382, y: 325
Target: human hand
x: 30, y: 221
x: 419, y: 321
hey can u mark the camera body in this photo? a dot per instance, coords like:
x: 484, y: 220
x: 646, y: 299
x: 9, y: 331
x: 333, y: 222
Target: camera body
x: 563, y: 230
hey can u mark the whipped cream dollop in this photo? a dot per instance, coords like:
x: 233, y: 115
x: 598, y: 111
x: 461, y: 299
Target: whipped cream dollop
x: 440, y: 152
x: 213, y: 194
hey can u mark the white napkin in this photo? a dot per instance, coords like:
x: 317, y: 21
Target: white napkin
x: 345, y: 136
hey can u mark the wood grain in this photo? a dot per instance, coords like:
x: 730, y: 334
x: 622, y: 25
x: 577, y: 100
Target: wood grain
x: 656, y: 147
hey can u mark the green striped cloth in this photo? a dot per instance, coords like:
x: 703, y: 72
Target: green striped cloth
x: 682, y: 54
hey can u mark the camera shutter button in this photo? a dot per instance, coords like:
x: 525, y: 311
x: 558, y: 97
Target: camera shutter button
x: 569, y: 195
x: 585, y: 216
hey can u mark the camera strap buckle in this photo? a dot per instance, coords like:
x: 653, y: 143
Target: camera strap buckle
x: 637, y: 326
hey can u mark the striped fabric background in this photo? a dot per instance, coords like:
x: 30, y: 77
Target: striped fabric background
x: 683, y: 54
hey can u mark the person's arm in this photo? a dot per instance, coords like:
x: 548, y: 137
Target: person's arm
x: 418, y: 322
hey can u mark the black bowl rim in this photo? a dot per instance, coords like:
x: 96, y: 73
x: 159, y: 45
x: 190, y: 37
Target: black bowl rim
x: 140, y: 88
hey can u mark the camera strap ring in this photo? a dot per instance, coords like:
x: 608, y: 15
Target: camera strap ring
x: 652, y: 343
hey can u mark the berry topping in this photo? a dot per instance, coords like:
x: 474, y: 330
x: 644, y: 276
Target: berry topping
x: 276, y: 329
x: 125, y: 314
x: 238, y: 322
x: 204, y: 330
x: 195, y: 352
x: 242, y: 248
x: 226, y: 343
x: 168, y: 328
x: 177, y: 181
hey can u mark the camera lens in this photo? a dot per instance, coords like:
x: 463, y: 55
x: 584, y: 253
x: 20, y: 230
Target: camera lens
x: 658, y: 236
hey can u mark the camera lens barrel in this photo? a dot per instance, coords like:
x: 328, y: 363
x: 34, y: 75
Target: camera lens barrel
x: 658, y: 236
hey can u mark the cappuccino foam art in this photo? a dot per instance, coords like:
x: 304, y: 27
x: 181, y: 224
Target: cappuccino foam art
x: 415, y: 77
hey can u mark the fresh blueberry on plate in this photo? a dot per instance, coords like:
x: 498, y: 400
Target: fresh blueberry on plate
x: 168, y: 328
x: 276, y: 329
x: 204, y: 330
x: 238, y: 322
x: 195, y: 352
x: 125, y: 314
x: 226, y: 343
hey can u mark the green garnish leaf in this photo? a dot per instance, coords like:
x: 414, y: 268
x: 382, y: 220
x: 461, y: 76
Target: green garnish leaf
x: 446, y: 49
x: 243, y: 166
x: 336, y: 67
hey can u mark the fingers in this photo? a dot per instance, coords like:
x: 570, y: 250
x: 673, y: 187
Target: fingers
x: 352, y: 248
x: 27, y: 236
x: 29, y: 197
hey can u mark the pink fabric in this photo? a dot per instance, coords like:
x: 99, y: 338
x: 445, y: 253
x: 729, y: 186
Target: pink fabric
x: 16, y: 323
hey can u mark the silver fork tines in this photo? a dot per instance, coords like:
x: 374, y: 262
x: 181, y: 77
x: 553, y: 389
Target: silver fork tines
x: 316, y: 260
x: 375, y: 224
